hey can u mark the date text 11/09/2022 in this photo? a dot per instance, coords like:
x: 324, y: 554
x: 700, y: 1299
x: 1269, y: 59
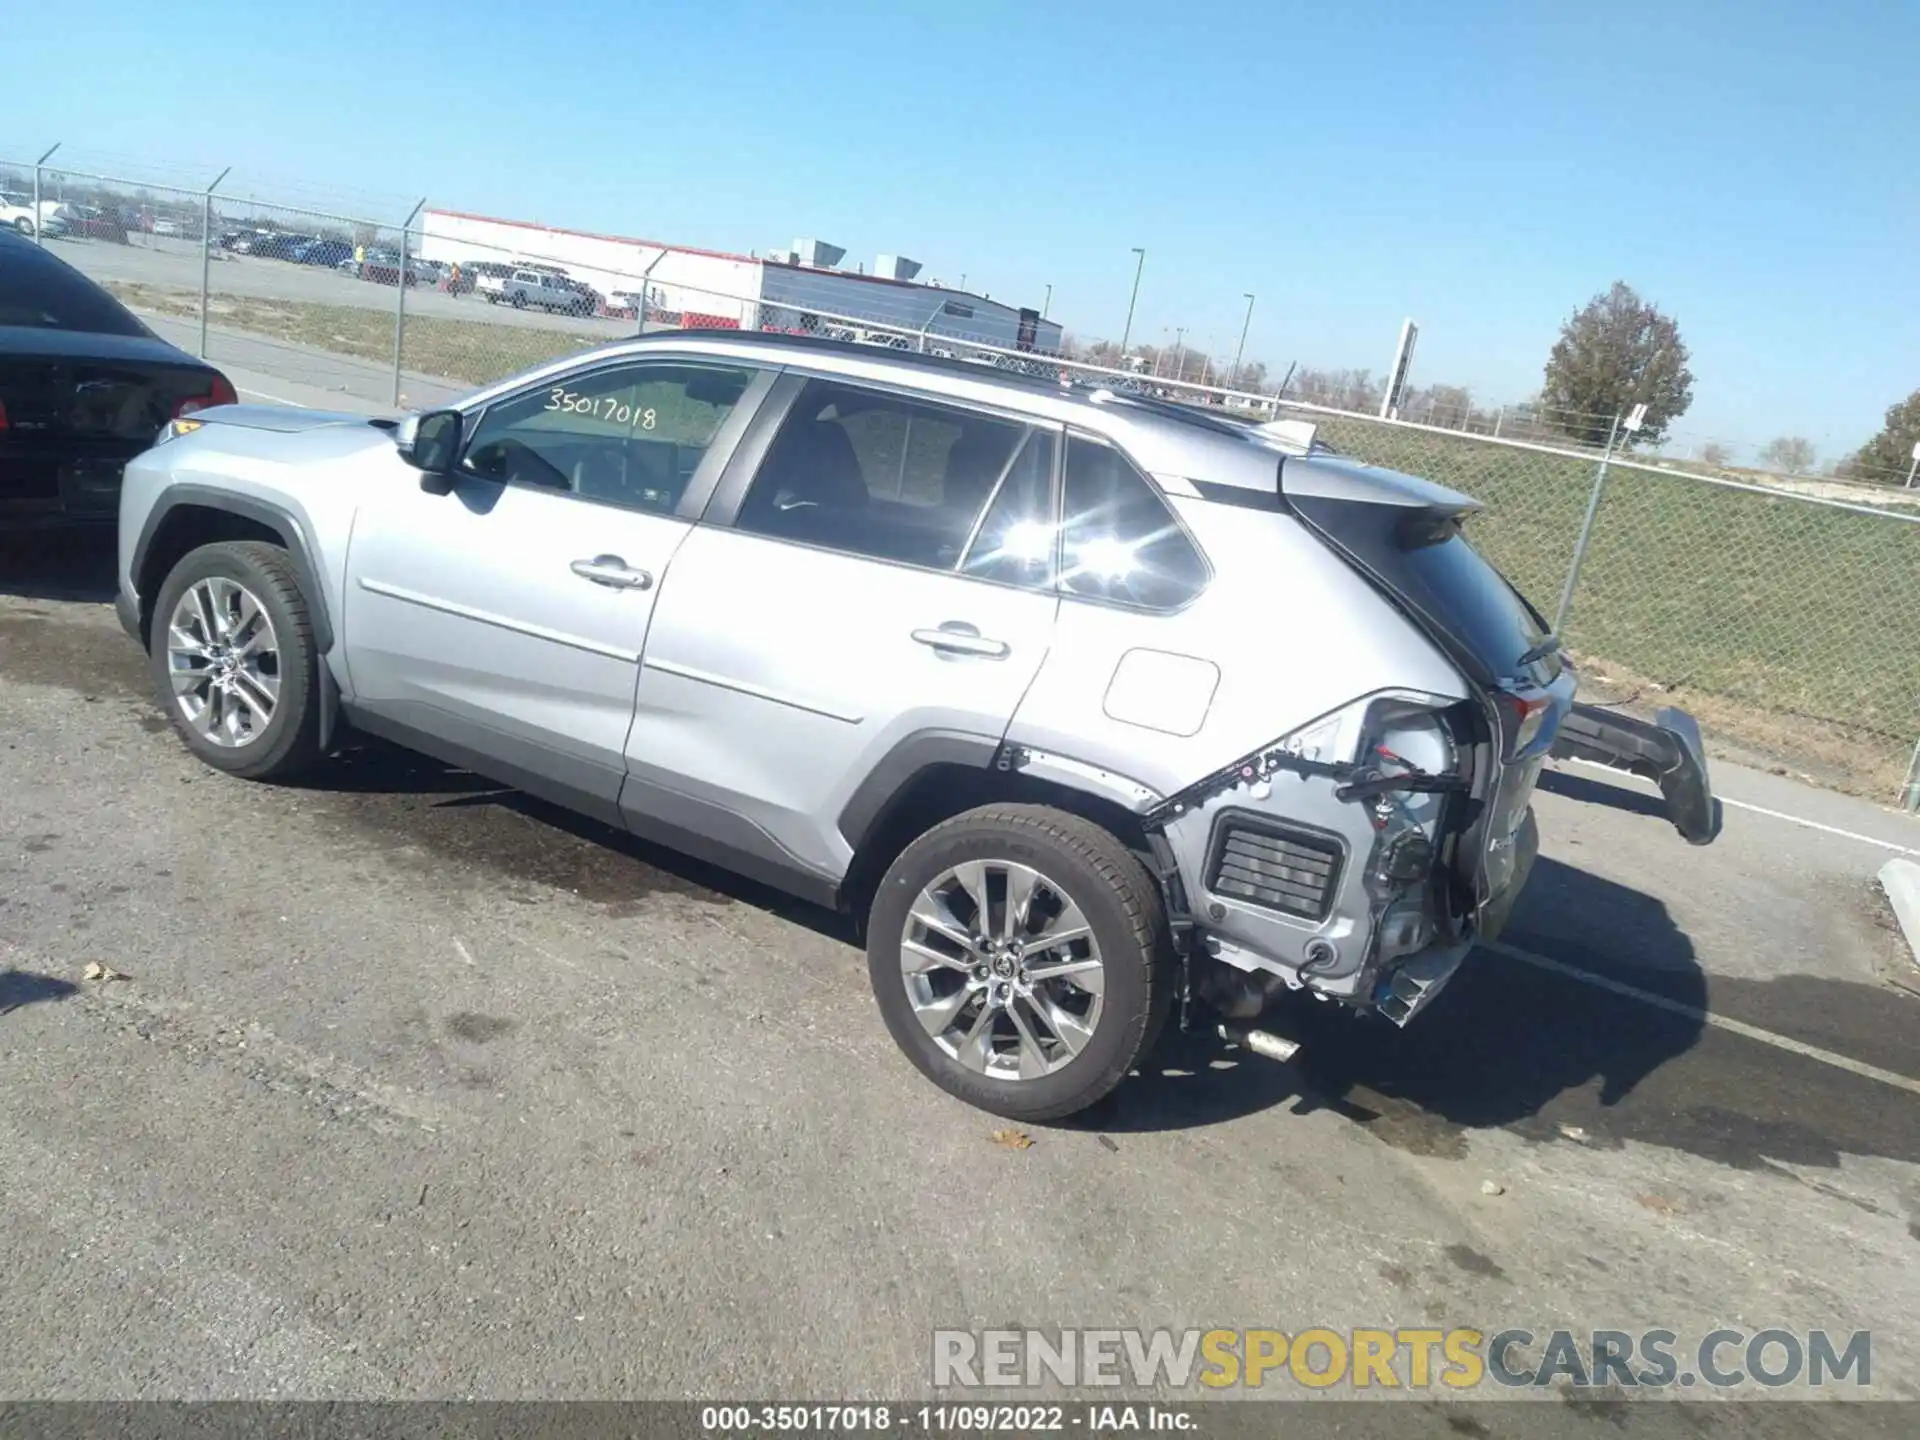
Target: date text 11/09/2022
x: 941, y: 1419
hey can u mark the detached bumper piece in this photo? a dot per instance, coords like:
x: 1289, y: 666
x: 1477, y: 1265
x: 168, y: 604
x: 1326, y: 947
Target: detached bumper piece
x: 1667, y: 751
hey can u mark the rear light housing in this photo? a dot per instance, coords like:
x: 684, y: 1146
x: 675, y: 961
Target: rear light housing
x: 220, y: 392
x: 1525, y: 715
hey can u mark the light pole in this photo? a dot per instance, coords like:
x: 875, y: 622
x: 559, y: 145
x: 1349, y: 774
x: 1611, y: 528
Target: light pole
x: 1046, y: 304
x: 1180, y: 352
x: 1127, y: 333
x: 1233, y: 375
x: 1913, y: 468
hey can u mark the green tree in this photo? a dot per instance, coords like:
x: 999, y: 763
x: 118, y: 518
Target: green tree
x: 1616, y: 353
x: 1888, y: 455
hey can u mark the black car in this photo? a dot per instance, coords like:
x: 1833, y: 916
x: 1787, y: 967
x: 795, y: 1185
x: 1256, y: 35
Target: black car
x: 281, y: 245
x: 84, y: 387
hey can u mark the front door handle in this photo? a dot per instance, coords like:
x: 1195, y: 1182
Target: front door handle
x: 958, y: 638
x: 612, y: 571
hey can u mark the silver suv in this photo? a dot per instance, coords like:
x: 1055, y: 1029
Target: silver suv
x: 1083, y: 705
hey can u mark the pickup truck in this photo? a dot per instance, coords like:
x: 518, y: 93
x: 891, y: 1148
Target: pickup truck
x: 540, y: 289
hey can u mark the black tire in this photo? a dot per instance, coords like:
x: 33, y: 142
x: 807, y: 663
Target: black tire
x: 1123, y: 908
x: 519, y: 301
x: 24, y: 226
x: 290, y: 740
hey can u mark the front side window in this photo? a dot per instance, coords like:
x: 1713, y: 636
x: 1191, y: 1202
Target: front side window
x: 876, y: 474
x: 1119, y: 541
x: 630, y: 435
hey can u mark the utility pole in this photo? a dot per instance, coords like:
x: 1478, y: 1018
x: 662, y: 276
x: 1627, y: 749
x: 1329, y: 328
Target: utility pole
x: 37, y: 223
x: 1233, y: 375
x: 1127, y: 333
x: 1046, y: 304
x: 1913, y: 468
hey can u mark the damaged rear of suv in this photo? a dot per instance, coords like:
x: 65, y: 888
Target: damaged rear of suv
x: 1360, y: 854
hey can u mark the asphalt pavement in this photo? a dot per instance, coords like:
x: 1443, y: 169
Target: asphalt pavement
x: 408, y: 1086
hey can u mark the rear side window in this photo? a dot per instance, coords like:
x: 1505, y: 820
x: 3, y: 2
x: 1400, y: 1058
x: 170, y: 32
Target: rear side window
x: 1015, y: 541
x: 40, y: 291
x: 874, y: 473
x: 1119, y: 542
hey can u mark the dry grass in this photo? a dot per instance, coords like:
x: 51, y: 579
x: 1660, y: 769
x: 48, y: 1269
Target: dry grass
x: 465, y: 351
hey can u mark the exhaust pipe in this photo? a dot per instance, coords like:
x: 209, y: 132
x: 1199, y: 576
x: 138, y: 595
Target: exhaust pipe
x: 1260, y: 1042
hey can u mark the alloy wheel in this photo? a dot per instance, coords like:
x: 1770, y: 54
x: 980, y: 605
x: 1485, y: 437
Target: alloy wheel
x: 223, y: 660
x: 1002, y: 970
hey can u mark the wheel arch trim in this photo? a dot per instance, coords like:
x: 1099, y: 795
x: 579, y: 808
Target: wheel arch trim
x: 291, y: 529
x: 867, y: 809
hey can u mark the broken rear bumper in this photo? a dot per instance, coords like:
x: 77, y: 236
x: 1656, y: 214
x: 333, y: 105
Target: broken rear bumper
x: 1666, y: 750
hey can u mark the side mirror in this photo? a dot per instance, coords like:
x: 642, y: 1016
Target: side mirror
x: 430, y: 442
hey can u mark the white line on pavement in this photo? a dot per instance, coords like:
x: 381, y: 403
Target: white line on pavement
x: 276, y: 399
x: 1780, y: 815
x: 1816, y: 825
x: 1719, y: 1022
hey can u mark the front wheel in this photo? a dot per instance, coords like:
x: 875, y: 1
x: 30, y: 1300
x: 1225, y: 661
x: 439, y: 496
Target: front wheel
x: 234, y: 662
x: 1019, y: 956
x: 24, y: 226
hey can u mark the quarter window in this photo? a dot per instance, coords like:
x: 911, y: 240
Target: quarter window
x: 877, y: 474
x: 1119, y: 541
x: 630, y: 435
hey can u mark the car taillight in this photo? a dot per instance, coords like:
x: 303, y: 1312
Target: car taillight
x: 1527, y: 714
x: 4, y: 422
x: 220, y: 392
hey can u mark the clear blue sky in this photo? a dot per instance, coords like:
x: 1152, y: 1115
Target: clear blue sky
x: 1483, y: 167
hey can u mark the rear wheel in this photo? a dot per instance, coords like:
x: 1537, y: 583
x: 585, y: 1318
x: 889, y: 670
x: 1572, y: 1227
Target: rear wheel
x: 519, y: 301
x: 1019, y: 957
x: 234, y: 662
x: 24, y: 226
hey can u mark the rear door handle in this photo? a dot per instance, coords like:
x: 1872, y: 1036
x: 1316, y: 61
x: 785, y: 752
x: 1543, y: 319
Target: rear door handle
x: 958, y: 638
x: 613, y: 572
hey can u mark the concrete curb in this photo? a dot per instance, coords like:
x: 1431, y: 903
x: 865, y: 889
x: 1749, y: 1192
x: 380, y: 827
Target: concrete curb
x: 1901, y: 881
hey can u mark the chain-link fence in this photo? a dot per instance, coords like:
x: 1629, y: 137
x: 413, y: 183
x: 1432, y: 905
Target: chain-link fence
x: 1787, y: 622
x: 1782, y: 613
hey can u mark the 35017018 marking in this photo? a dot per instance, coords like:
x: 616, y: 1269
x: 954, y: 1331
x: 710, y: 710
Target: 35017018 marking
x: 603, y: 407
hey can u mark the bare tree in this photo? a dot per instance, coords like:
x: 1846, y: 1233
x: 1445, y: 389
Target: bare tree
x: 1715, y: 454
x: 1791, y: 453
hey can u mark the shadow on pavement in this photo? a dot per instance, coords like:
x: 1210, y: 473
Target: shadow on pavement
x: 1600, y: 792
x: 1501, y: 1044
x: 412, y: 802
x: 20, y: 988
x: 65, y: 564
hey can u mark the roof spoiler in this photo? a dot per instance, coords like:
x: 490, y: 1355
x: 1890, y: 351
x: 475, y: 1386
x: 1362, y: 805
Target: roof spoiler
x: 1294, y: 434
